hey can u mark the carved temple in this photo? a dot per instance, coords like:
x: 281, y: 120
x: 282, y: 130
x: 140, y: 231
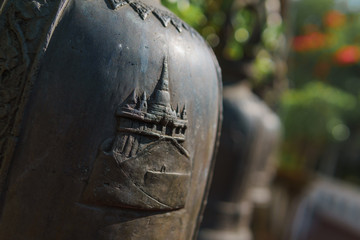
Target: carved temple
x: 152, y: 117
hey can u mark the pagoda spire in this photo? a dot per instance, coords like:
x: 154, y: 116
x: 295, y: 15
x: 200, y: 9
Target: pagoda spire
x: 143, y: 103
x: 131, y: 100
x: 160, y: 98
x: 164, y: 79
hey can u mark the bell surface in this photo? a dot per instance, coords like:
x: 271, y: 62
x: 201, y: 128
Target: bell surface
x: 112, y: 112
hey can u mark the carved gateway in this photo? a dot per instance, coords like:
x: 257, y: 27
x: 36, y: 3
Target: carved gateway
x: 145, y: 166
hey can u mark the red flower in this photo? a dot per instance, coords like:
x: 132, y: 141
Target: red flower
x: 334, y: 19
x: 309, y: 42
x: 347, y: 55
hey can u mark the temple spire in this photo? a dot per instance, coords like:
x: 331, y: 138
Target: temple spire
x: 143, y: 103
x: 131, y: 99
x: 164, y: 79
x: 160, y: 98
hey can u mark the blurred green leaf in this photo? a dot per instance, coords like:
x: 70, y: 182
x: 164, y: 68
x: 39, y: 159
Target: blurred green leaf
x: 313, y: 111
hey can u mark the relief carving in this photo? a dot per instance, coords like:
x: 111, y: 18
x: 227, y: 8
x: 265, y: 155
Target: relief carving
x: 24, y: 26
x: 144, y: 11
x: 145, y: 166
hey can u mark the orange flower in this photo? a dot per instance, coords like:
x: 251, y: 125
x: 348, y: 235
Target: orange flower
x: 347, y: 55
x: 309, y: 42
x: 334, y: 19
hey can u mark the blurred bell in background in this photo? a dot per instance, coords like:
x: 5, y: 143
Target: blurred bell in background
x: 288, y: 165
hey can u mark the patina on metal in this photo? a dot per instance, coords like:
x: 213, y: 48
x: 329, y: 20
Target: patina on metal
x: 109, y: 115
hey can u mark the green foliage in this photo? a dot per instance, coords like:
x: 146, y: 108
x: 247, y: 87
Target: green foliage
x: 316, y: 111
x: 237, y: 34
x: 304, y: 12
x: 271, y: 36
x: 192, y: 13
x: 263, y: 67
x: 322, y: 109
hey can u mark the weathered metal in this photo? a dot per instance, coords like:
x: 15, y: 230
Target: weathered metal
x: 244, y: 166
x: 110, y: 112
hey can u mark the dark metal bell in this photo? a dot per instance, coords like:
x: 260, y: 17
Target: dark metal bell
x: 244, y: 165
x: 109, y: 114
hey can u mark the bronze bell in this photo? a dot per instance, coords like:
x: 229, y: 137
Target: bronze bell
x: 109, y: 115
x: 244, y: 165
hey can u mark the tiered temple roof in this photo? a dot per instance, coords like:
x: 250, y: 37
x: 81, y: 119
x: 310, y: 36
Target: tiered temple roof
x: 154, y: 115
